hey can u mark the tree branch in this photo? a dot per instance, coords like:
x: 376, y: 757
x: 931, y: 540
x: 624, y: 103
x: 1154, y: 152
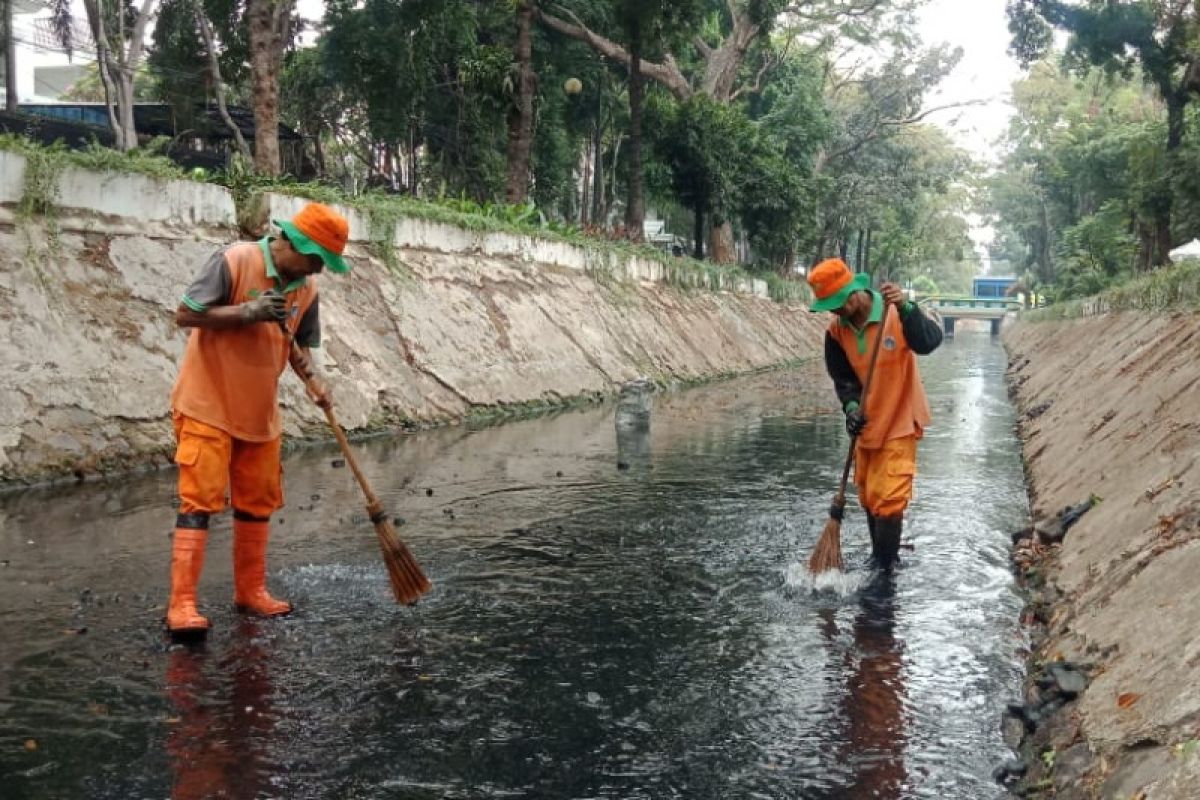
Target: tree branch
x: 769, y: 63
x: 667, y: 73
x: 880, y: 126
x: 918, y: 117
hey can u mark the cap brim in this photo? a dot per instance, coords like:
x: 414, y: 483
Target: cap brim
x: 835, y: 301
x: 308, y: 247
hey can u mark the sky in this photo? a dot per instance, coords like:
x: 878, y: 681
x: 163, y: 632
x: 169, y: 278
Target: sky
x: 986, y: 71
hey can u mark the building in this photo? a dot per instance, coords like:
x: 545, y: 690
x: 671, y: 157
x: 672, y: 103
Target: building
x: 44, y: 70
x: 992, y: 286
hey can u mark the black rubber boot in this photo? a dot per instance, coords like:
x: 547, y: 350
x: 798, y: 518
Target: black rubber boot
x: 874, y: 538
x: 887, y: 541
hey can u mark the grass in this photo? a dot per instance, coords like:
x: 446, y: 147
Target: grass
x: 383, y: 211
x: 1174, y: 287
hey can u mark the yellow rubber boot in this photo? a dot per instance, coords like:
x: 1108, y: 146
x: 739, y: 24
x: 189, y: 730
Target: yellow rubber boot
x: 187, y: 562
x: 250, y: 569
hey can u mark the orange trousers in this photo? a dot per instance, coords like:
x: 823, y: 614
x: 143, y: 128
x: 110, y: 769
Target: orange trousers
x: 212, y: 464
x: 885, y: 476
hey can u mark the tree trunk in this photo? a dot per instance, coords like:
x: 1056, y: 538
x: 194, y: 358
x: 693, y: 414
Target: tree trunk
x: 269, y: 21
x: 599, y: 207
x: 585, y: 186
x: 698, y: 235
x: 721, y: 246
x: 520, y: 115
x: 214, y: 68
x: 128, y: 136
x: 725, y: 62
x: 10, y: 59
x: 858, y: 258
x: 635, y: 206
x: 866, y: 267
x: 1176, y: 104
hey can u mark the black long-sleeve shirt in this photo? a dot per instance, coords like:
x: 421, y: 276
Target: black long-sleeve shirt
x: 922, y: 334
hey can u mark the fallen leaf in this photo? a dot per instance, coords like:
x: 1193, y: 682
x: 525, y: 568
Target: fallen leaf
x: 31, y: 745
x: 1127, y: 699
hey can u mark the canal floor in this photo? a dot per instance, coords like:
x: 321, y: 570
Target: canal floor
x: 615, y: 615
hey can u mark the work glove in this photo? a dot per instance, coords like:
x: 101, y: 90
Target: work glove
x: 856, y: 420
x: 270, y: 306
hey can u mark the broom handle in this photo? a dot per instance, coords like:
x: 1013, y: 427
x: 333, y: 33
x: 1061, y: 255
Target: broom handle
x: 373, y: 506
x: 840, y: 500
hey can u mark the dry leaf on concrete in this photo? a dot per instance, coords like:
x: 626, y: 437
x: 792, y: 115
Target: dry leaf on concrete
x: 1127, y: 699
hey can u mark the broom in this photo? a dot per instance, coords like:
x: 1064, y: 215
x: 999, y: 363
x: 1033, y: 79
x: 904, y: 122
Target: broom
x: 407, y: 579
x: 827, y: 554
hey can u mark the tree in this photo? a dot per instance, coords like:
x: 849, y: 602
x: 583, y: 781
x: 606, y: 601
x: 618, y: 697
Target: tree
x: 214, y: 72
x: 432, y: 81
x: 1116, y: 35
x: 1085, y: 164
x: 695, y: 140
x: 718, y: 73
x: 313, y: 103
x: 271, y: 28
x: 520, y: 115
x: 119, y: 34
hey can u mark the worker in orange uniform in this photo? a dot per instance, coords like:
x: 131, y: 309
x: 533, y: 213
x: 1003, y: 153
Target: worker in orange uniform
x: 897, y: 411
x: 225, y: 406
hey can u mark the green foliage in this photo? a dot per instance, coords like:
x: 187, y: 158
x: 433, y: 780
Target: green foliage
x: 1175, y: 288
x: 695, y: 139
x: 925, y: 285
x: 44, y: 165
x: 1095, y: 253
x: 1086, y: 179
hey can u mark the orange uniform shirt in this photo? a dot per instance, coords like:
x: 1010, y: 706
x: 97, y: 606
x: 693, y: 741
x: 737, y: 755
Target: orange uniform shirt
x: 229, y: 378
x: 897, y: 405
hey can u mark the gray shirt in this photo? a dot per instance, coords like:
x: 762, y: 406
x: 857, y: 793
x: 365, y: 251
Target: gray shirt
x: 212, y: 286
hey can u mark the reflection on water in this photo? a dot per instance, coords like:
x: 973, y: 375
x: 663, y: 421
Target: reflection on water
x: 619, y: 612
x: 223, y: 718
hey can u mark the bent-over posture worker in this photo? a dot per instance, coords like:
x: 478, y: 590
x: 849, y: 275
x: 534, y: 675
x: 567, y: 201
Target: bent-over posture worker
x: 225, y: 406
x: 897, y: 411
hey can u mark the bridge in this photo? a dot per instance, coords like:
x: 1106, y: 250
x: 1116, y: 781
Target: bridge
x: 951, y: 309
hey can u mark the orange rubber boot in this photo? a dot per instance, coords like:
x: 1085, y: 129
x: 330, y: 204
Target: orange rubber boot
x: 250, y: 569
x: 187, y: 562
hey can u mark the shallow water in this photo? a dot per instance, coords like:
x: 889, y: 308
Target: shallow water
x: 594, y: 632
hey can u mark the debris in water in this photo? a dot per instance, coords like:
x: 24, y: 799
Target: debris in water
x: 398, y: 521
x: 622, y: 465
x: 315, y: 497
x: 31, y: 745
x: 429, y: 492
x: 338, y: 463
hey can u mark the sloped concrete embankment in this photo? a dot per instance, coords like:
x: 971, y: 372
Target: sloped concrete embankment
x: 455, y: 320
x: 1109, y: 408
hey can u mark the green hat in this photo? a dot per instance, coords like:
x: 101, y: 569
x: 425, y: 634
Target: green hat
x: 318, y: 230
x: 860, y: 282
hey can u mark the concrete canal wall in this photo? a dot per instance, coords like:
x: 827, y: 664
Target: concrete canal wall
x: 451, y: 321
x: 1108, y: 408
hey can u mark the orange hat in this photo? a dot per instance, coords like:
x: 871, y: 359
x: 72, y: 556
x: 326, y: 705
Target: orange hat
x: 832, y: 282
x: 318, y: 230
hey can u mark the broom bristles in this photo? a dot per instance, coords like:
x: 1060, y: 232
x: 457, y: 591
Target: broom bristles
x: 404, y: 573
x: 828, y: 553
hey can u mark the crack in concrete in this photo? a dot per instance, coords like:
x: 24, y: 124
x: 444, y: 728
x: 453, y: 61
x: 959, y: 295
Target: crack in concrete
x: 411, y: 359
